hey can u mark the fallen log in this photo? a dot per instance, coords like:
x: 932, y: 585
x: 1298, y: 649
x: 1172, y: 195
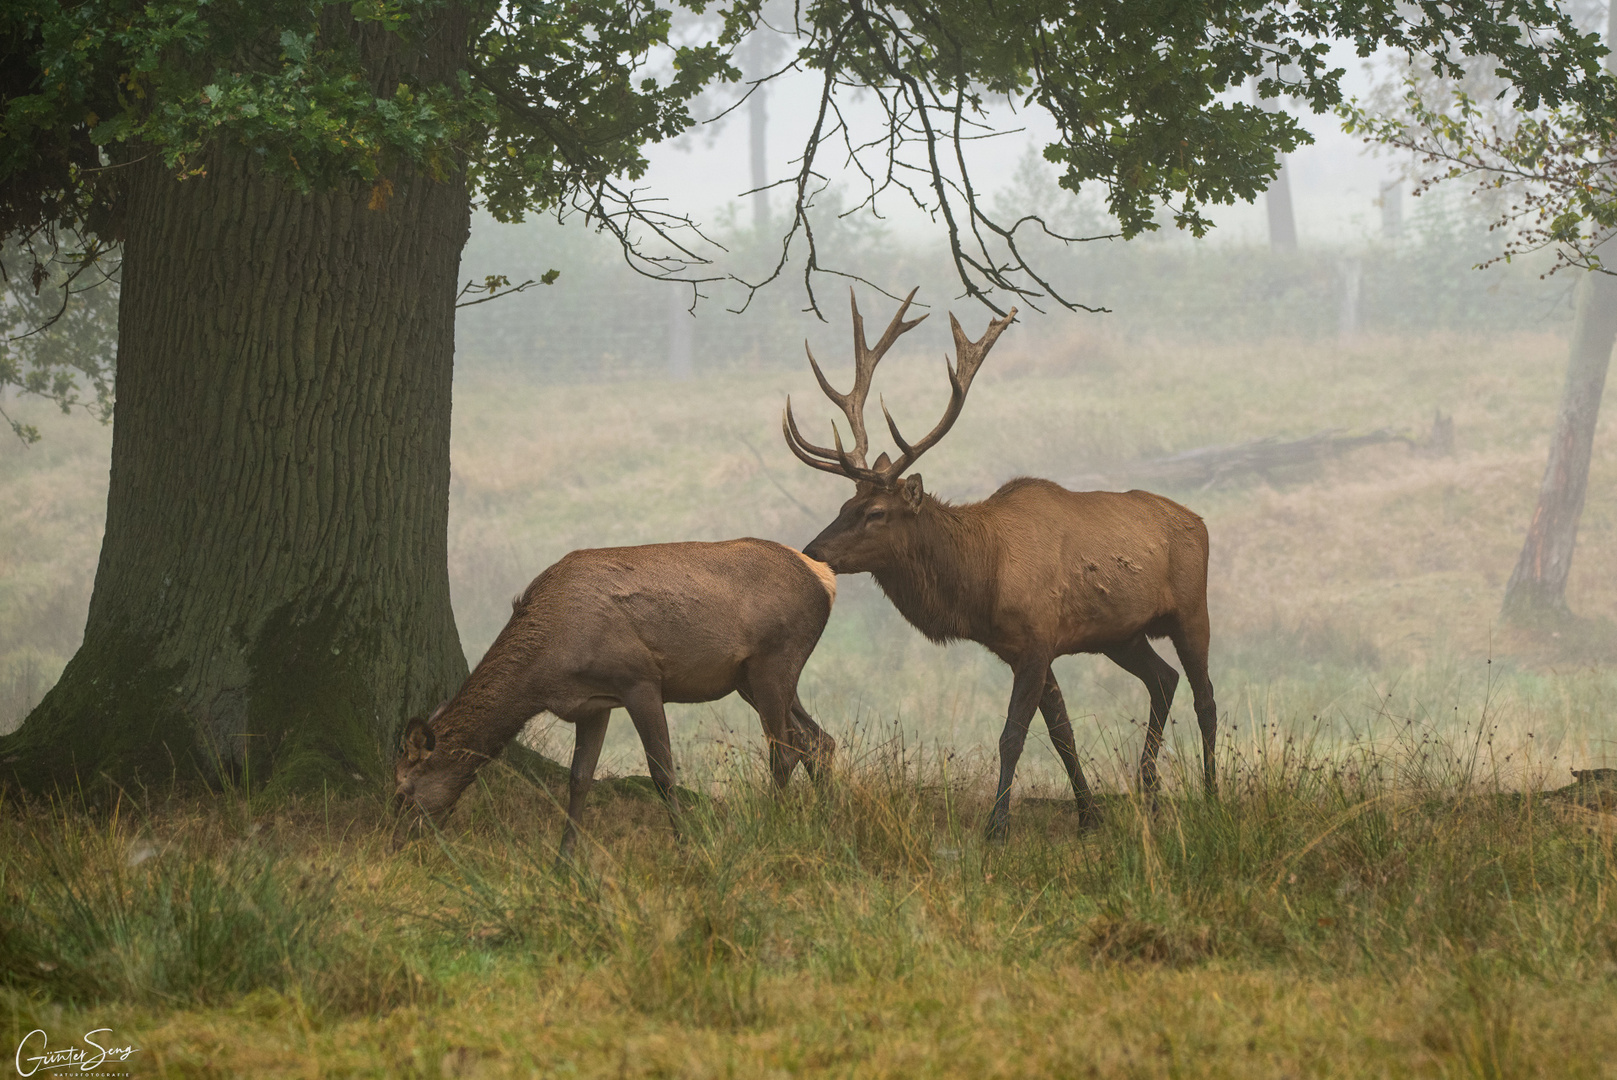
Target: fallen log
x: 1207, y: 466
x: 1210, y: 465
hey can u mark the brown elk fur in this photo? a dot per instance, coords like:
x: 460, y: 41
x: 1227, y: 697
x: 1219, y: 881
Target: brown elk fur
x: 633, y: 627
x: 1033, y: 572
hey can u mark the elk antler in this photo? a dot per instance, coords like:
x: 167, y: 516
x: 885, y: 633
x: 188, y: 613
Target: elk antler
x: 968, y: 358
x: 837, y: 460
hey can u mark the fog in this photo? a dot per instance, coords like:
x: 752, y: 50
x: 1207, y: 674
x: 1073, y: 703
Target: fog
x: 1355, y: 597
x: 1355, y: 593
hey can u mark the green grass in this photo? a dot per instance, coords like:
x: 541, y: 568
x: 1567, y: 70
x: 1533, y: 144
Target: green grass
x: 1384, y: 911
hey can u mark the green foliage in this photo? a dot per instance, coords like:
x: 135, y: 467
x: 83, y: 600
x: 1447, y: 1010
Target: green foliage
x: 1135, y: 92
x: 547, y: 97
x: 1545, y: 176
x: 551, y: 99
x: 543, y: 104
x: 573, y: 96
x: 56, y: 327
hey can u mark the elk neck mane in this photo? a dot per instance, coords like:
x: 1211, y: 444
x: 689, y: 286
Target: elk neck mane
x: 474, y: 717
x: 941, y: 577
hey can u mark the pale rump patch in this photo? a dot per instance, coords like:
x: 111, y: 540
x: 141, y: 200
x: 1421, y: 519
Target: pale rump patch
x: 827, y: 576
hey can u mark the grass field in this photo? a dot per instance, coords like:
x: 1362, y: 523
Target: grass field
x: 1374, y: 896
x: 1372, y: 914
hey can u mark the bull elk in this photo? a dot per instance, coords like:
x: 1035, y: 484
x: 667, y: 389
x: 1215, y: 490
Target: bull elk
x: 1031, y: 573
x: 632, y: 627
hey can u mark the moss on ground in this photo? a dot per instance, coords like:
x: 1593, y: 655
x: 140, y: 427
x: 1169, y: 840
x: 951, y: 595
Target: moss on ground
x: 310, y: 705
x: 112, y: 723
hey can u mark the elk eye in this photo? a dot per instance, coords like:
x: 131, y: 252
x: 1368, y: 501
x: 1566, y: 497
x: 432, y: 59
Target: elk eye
x: 874, y: 515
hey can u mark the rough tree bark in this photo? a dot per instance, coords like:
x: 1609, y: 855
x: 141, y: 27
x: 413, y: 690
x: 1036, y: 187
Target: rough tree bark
x: 273, y: 592
x: 1537, y: 588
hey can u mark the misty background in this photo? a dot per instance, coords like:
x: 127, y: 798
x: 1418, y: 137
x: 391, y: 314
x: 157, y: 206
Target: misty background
x: 1355, y: 587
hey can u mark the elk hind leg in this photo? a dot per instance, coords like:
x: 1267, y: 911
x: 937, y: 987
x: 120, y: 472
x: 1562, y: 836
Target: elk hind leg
x: 1027, y: 689
x: 1054, y: 708
x: 788, y: 743
x: 816, y: 747
x: 1139, y: 659
x: 589, y: 733
x: 645, y: 705
x: 1190, y: 641
x: 771, y: 689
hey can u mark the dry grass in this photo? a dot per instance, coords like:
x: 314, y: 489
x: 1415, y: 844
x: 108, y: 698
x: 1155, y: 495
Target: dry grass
x: 1370, y: 899
x: 1362, y: 915
x: 1331, y: 586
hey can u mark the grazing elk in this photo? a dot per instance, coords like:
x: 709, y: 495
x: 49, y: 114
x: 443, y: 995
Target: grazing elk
x: 1032, y: 572
x: 632, y: 627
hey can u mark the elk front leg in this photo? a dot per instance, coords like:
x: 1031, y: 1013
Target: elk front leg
x: 1054, y: 708
x: 1027, y: 687
x: 1139, y: 659
x: 589, y: 733
x: 645, y: 705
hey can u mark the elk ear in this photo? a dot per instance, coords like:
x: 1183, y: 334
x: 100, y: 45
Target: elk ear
x: 418, y: 740
x: 911, y: 490
x: 882, y: 463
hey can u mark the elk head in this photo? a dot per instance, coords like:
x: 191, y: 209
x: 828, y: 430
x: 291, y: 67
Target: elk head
x: 425, y: 785
x: 871, y: 529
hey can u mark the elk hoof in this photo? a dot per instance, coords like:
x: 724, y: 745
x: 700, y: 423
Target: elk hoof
x: 1089, y: 816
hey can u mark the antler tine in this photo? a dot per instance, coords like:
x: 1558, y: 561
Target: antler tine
x: 865, y: 359
x: 841, y: 400
x: 795, y: 437
x: 892, y: 426
x: 788, y: 427
x: 969, y: 357
x: 894, y: 331
x: 969, y: 354
x: 820, y: 457
x: 852, y: 404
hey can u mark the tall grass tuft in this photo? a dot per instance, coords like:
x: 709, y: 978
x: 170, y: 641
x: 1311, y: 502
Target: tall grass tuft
x: 93, y: 911
x: 1400, y: 862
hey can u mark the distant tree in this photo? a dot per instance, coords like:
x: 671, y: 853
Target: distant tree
x: 1277, y: 200
x: 290, y: 183
x: 1549, y: 177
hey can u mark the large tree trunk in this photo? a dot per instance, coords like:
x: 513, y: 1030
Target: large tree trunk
x: 273, y: 594
x: 1537, y: 589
